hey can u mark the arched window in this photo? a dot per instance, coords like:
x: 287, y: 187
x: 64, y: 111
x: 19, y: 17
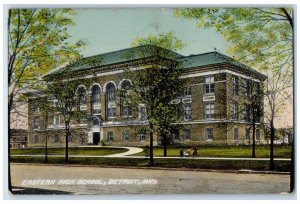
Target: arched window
x: 82, y: 98
x: 110, y: 100
x: 96, y: 121
x: 124, y: 105
x: 110, y: 92
x: 95, y: 102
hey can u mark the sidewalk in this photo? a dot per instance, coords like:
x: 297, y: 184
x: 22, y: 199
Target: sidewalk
x: 137, y: 157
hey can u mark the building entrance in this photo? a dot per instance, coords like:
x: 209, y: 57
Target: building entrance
x: 96, y: 138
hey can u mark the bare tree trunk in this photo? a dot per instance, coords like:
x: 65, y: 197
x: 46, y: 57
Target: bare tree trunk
x: 292, y: 176
x: 272, y: 145
x: 253, y: 138
x: 151, y: 145
x: 9, y: 135
x: 46, y: 148
x: 10, y: 105
x: 67, y: 142
x: 165, y: 144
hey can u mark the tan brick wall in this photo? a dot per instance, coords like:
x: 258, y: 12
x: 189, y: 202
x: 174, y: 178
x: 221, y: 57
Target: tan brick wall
x: 222, y: 132
x: 133, y: 135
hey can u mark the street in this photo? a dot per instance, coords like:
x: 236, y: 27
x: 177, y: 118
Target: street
x: 88, y: 180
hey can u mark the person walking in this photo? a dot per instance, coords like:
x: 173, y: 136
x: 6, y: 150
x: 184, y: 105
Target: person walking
x: 195, y: 151
x: 181, y: 152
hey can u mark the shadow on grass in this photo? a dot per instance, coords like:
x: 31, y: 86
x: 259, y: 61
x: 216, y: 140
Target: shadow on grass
x: 37, y: 191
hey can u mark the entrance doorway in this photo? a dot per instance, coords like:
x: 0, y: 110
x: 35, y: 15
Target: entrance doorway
x: 96, y: 138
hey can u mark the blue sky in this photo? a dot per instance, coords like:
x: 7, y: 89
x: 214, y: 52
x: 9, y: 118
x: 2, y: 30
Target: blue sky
x: 109, y: 30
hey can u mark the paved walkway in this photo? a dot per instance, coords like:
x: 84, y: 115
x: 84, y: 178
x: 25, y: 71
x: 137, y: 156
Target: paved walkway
x: 131, y: 151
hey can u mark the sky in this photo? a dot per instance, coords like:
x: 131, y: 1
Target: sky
x: 108, y: 30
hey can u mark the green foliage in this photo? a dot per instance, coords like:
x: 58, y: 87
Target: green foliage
x: 158, y: 81
x: 68, y: 98
x: 38, y: 43
x: 259, y: 37
x: 164, y: 40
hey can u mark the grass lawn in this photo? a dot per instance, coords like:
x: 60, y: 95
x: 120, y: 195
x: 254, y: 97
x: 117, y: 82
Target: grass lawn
x: 262, y: 151
x: 281, y: 166
x: 207, y: 151
x: 72, y: 151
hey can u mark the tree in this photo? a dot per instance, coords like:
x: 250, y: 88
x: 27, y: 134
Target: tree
x: 277, y: 96
x: 37, y: 43
x: 46, y: 110
x: 170, y: 113
x: 260, y: 37
x: 164, y: 40
x: 254, y: 104
x: 156, y: 83
x: 70, y: 104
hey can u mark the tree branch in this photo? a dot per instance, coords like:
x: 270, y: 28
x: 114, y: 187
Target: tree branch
x: 287, y: 15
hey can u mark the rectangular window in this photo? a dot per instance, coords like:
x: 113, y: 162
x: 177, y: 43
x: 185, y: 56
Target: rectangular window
x: 209, y: 110
x: 36, y: 139
x: 36, y: 123
x: 56, y: 120
x: 187, y: 111
x: 142, y: 112
x: 111, y: 112
x: 56, y: 138
x: 235, y: 85
x: 125, y: 136
x: 187, y: 134
x: 246, y: 87
x: 96, y: 108
x: 247, y: 134
x: 142, y: 136
x: 187, y: 91
x: 110, y: 136
x: 175, y: 133
x: 126, y: 111
x: 209, y: 85
x: 208, y: 134
x: 235, y: 111
x: 246, y: 114
x: 235, y: 134
x: 257, y: 134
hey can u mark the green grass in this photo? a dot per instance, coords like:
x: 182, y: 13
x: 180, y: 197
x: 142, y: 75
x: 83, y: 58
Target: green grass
x: 262, y: 151
x: 72, y: 151
x: 281, y: 166
x: 203, y: 151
